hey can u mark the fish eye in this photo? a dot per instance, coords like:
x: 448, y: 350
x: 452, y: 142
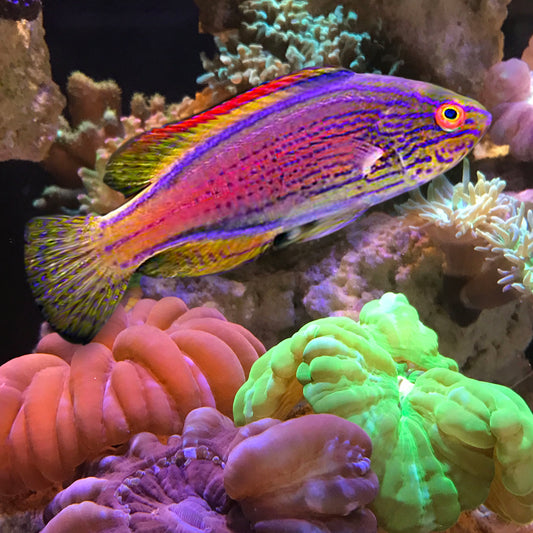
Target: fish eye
x: 450, y: 116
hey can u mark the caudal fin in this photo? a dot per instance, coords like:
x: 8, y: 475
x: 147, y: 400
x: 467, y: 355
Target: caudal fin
x: 76, y: 287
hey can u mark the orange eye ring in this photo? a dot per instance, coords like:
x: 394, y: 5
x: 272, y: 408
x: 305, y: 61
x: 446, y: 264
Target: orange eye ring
x: 450, y: 116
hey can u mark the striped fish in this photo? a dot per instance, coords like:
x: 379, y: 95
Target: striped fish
x: 288, y: 161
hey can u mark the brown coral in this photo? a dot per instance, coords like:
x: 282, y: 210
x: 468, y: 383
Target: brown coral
x: 146, y: 369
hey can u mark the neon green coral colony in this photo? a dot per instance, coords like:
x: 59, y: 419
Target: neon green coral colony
x: 442, y: 442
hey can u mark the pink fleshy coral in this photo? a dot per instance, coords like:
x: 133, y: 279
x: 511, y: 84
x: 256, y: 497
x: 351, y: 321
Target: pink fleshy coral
x: 320, y: 480
x: 145, y: 371
x: 508, y: 94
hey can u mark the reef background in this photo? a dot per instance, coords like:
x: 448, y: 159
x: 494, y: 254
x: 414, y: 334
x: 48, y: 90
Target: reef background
x: 146, y: 47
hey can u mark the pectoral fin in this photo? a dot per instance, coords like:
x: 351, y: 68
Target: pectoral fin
x: 316, y: 229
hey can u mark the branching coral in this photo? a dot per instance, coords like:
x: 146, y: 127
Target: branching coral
x: 486, y: 237
x: 278, y: 37
x: 145, y: 370
x: 81, y: 149
x: 442, y: 442
x: 94, y: 109
x: 320, y: 480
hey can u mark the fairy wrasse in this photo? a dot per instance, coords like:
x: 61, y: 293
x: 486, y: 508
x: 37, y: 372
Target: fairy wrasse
x: 290, y: 160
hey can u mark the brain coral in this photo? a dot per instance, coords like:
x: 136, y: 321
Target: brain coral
x: 145, y: 370
x: 309, y: 474
x: 442, y: 442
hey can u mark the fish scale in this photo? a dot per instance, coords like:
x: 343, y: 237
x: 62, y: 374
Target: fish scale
x: 289, y: 161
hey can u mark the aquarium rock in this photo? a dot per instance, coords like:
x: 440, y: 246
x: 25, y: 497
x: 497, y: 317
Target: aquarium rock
x: 30, y: 102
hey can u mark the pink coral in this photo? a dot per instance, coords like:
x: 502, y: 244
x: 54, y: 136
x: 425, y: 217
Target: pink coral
x: 310, y: 469
x: 508, y: 94
x: 145, y: 371
x: 320, y: 480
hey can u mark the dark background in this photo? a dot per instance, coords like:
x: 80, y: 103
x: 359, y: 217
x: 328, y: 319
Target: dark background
x: 145, y: 46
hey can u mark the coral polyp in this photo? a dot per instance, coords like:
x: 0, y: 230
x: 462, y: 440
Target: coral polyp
x: 486, y: 236
x: 218, y: 478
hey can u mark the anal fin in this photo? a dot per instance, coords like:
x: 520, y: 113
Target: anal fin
x: 207, y: 255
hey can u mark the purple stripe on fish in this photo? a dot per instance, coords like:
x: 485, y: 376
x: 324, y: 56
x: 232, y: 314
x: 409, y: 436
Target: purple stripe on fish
x: 209, y: 144
x: 293, y: 158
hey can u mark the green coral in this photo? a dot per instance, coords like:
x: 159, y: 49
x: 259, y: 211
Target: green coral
x: 442, y: 442
x: 281, y: 36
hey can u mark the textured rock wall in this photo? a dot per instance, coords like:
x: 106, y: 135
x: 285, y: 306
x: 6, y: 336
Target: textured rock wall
x: 30, y: 102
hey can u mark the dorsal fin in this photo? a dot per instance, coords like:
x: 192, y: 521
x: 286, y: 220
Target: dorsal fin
x: 143, y: 159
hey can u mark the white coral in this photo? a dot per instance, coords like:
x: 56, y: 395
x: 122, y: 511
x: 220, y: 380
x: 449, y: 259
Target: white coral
x: 482, y: 211
x: 464, y: 207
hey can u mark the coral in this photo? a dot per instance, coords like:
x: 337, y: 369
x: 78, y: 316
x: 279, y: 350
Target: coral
x: 320, y: 477
x: 304, y: 469
x: 508, y: 94
x: 486, y: 237
x: 442, y: 442
x: 94, y: 108
x: 450, y: 42
x: 145, y: 370
x: 82, y: 148
x: 276, y: 37
x: 30, y: 103
x: 16, y: 10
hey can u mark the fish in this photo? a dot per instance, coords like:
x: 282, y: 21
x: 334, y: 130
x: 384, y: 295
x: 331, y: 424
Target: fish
x: 286, y: 162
